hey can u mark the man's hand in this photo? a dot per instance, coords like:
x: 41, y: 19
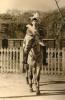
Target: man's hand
x: 41, y: 43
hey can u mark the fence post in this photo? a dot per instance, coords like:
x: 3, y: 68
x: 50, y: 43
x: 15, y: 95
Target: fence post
x: 51, y: 62
x: 1, y: 60
x: 17, y: 59
x: 21, y: 59
x: 10, y: 60
x: 7, y: 57
x: 48, y: 60
x: 59, y: 72
x: 63, y: 60
x: 55, y: 60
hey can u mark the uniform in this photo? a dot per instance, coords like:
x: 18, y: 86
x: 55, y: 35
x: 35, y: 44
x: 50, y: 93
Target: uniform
x: 33, y: 56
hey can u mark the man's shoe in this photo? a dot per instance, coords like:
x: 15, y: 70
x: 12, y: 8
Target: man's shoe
x: 31, y: 89
x: 38, y: 92
x: 27, y: 80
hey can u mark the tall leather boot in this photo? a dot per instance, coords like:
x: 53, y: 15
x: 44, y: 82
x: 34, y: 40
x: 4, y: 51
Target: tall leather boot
x: 37, y: 89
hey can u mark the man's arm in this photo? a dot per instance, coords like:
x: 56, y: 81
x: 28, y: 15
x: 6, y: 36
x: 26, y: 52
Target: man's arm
x: 27, y: 47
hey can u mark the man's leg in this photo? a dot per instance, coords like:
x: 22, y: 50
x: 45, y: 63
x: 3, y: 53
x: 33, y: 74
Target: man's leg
x: 34, y: 75
x: 30, y: 78
x: 27, y: 76
x: 38, y: 79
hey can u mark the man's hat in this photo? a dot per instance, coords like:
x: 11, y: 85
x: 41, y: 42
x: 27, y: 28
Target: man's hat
x: 35, y: 16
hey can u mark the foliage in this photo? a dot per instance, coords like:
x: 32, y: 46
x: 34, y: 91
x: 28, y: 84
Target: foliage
x: 51, y: 24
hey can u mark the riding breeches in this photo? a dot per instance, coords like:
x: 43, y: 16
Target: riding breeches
x: 34, y: 73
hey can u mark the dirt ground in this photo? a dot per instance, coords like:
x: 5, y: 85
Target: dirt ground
x: 14, y: 87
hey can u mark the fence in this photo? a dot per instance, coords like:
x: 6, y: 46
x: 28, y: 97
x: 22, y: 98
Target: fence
x: 55, y: 61
x: 11, y: 61
x: 18, y: 42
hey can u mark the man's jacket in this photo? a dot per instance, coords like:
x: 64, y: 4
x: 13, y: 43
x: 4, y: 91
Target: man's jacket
x: 31, y: 48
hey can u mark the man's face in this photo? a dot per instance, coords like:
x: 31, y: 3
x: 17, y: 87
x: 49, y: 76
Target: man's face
x: 33, y: 22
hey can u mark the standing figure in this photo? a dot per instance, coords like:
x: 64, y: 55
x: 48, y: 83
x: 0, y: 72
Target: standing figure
x: 33, y: 54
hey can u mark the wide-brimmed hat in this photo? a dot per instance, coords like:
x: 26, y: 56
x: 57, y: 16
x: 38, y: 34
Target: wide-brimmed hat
x: 35, y: 16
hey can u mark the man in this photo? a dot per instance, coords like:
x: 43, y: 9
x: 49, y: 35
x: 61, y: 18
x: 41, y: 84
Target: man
x: 32, y: 53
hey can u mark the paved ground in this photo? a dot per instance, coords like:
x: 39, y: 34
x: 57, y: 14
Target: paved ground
x: 14, y: 87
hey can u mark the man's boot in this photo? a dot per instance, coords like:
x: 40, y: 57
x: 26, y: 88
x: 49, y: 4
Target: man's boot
x: 31, y: 89
x: 37, y: 89
x: 27, y: 80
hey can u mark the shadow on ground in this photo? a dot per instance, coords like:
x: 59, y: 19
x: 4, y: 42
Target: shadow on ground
x: 53, y: 92
x: 47, y: 92
x: 51, y: 82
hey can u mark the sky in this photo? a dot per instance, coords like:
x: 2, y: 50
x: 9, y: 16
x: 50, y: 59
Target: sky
x: 43, y: 5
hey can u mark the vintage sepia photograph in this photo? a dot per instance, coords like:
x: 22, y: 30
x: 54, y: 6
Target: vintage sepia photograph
x: 32, y: 49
